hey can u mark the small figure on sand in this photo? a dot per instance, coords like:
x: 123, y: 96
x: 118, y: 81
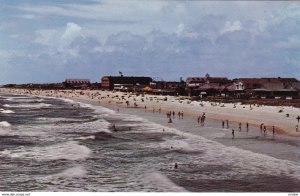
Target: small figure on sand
x: 261, y: 127
x: 181, y: 114
x: 273, y: 130
x: 296, y: 128
x: 159, y: 110
x: 170, y: 120
x: 223, y: 124
x: 247, y: 126
x: 173, y: 114
x: 298, y: 118
x: 265, y: 129
x: 202, y: 119
x: 145, y: 108
x: 232, y: 132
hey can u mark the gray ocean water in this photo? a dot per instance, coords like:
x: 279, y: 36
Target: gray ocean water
x: 49, y: 144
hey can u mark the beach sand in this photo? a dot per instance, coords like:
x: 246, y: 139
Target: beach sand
x: 235, y: 113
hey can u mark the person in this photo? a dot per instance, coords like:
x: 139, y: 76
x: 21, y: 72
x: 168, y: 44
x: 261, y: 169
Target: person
x: 298, y: 118
x: 199, y: 119
x: 170, y: 120
x: 261, y: 127
x: 240, y: 126
x: 232, y: 132
x: 173, y: 114
x: 175, y: 166
x: 265, y: 129
x: 223, y: 124
x: 114, y: 127
x: 247, y: 126
x: 181, y: 114
x: 296, y: 128
x: 273, y: 130
x: 159, y: 110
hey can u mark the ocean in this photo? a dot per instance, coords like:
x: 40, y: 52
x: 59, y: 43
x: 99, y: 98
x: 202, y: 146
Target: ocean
x: 52, y: 144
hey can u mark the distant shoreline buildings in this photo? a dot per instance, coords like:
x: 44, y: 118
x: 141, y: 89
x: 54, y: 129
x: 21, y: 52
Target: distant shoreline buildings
x: 262, y: 88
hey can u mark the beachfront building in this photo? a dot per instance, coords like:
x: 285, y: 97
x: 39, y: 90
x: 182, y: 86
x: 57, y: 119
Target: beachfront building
x: 277, y: 88
x: 168, y: 87
x: 125, y: 83
x: 207, y: 85
x: 76, y: 83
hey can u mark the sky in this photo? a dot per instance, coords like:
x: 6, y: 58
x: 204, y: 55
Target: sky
x: 49, y: 41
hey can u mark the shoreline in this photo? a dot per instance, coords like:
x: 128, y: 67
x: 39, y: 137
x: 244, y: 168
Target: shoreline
x: 234, y: 113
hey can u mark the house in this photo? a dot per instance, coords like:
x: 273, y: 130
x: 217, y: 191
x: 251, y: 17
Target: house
x: 266, y: 87
x: 206, y: 85
x: 124, y: 82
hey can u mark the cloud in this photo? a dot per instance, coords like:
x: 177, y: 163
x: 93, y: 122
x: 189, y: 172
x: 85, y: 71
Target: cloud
x: 72, y: 32
x: 232, y: 26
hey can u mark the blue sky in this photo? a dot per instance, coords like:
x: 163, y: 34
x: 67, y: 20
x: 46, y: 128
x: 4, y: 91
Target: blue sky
x: 49, y: 41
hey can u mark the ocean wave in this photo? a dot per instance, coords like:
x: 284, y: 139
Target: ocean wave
x: 5, y: 124
x: 7, y: 111
x: 162, y: 182
x: 70, y: 150
x: 74, y: 172
x: 39, y: 105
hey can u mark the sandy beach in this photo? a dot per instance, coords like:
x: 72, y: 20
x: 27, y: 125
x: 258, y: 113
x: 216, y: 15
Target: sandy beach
x: 283, y: 118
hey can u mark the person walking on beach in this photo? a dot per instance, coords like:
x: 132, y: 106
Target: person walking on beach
x: 265, y: 129
x: 247, y: 126
x: 240, y: 126
x: 298, y: 118
x: 181, y: 114
x: 261, y: 127
x: 170, y: 120
x: 173, y: 114
x: 178, y: 115
x: 223, y: 124
x: 145, y: 108
x: 273, y: 130
x: 203, y: 119
x: 232, y: 132
x: 296, y: 128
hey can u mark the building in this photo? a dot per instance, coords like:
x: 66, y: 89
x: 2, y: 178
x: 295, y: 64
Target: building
x: 207, y: 85
x: 267, y: 87
x: 77, y: 83
x: 124, y: 82
x: 168, y: 87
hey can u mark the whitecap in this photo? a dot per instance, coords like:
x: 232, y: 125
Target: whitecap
x: 7, y: 111
x: 74, y: 172
x: 5, y: 124
x: 70, y: 150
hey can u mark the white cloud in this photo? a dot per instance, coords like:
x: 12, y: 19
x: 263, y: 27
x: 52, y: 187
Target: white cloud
x: 71, y: 33
x: 180, y: 29
x: 231, y: 26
